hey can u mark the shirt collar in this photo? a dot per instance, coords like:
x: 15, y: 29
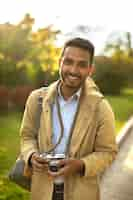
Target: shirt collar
x: 76, y: 95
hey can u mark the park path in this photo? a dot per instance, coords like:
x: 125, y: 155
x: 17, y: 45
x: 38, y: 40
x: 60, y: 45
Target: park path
x: 117, y: 182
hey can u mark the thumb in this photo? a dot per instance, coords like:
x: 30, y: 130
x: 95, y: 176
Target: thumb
x: 62, y: 162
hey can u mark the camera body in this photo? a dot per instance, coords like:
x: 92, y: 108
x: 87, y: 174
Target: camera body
x: 53, y: 160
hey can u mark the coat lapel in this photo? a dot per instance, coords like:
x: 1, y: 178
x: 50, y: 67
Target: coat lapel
x: 48, y: 100
x: 47, y: 115
x: 83, y: 121
x: 85, y: 116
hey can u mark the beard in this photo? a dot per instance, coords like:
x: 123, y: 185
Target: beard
x: 69, y: 80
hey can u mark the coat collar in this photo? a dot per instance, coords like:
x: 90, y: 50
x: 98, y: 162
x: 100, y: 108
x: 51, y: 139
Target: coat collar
x: 89, y: 89
x: 51, y: 92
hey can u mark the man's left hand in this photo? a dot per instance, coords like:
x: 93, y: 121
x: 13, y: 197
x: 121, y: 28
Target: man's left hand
x: 68, y: 167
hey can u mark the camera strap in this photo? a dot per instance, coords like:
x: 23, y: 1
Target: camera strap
x: 62, y: 126
x: 58, y: 192
x: 51, y: 151
x: 60, y: 120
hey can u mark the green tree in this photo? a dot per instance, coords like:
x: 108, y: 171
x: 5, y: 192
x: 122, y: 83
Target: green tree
x: 119, y: 48
x: 27, y: 57
x: 45, y: 54
x: 109, y: 75
x: 14, y: 47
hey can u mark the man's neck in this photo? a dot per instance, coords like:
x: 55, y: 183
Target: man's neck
x: 67, y: 92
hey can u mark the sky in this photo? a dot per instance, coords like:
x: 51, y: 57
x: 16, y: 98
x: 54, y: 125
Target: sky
x: 104, y: 16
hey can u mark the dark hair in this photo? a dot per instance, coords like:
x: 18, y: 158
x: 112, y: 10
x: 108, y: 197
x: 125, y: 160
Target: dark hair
x: 80, y: 43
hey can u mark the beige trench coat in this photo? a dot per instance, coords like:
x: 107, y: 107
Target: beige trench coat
x: 93, y: 141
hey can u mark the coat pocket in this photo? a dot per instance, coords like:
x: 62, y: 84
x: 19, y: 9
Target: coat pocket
x: 86, y: 188
x: 41, y: 186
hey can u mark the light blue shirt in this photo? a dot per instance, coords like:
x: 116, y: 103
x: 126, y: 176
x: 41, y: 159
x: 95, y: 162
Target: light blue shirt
x: 67, y: 109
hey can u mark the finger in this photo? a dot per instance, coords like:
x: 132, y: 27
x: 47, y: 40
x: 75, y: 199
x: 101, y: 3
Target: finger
x: 37, y: 170
x: 52, y: 174
x: 39, y: 159
x: 62, y: 162
x: 42, y: 160
x: 61, y: 172
x: 64, y: 171
x: 39, y: 165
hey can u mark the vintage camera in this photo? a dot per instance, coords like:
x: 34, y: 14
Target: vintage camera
x: 53, y: 160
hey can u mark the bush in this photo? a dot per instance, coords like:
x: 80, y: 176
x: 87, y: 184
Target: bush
x: 4, y: 97
x: 19, y: 96
x: 110, y: 75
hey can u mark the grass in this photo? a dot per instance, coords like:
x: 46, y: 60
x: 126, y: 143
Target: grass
x: 9, y: 148
x: 122, y: 106
x: 9, y: 141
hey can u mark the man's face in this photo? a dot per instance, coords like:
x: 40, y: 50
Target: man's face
x: 74, y: 67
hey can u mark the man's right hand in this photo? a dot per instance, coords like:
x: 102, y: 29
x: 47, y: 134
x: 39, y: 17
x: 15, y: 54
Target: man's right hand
x: 38, y: 164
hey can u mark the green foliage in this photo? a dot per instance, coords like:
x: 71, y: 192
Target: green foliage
x: 110, y: 76
x: 24, y: 54
x: 119, y: 48
x: 122, y: 106
x: 4, y: 96
x: 119, y: 45
x: 8, y: 191
x: 9, y: 148
x: 19, y: 95
x: 14, y: 47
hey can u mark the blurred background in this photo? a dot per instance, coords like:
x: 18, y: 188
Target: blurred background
x: 31, y: 37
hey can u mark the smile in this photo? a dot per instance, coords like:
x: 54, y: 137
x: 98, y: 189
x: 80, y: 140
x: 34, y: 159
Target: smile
x: 73, y: 77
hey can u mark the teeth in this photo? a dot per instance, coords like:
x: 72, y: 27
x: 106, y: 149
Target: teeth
x: 73, y: 77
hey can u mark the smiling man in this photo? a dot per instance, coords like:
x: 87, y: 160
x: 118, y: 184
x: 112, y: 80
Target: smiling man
x: 75, y: 66
x: 76, y: 122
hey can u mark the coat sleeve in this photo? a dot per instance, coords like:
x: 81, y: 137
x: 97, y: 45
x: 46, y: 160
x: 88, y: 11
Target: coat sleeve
x: 105, y: 147
x: 28, y: 130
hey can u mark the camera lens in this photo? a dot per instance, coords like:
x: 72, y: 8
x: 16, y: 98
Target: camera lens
x: 53, y: 166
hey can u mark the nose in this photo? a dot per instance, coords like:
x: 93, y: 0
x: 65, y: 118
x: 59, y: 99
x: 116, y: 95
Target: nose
x: 74, y: 68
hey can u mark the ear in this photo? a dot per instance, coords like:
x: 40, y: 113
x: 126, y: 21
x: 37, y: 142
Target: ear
x: 91, y: 70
